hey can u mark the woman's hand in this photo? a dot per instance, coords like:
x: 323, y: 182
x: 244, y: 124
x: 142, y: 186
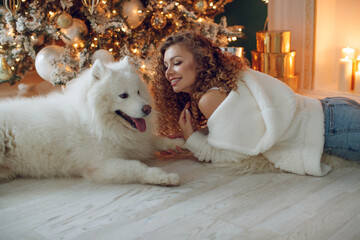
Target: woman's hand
x: 177, y: 151
x: 186, y: 122
x: 176, y: 135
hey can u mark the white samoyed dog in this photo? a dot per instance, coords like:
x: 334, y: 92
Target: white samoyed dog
x: 98, y: 128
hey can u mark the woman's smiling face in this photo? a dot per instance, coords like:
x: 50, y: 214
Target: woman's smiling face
x: 180, y: 68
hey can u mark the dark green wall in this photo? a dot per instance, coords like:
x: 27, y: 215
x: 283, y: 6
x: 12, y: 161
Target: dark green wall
x: 249, y: 13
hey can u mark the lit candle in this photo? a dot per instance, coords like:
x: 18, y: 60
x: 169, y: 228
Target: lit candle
x: 358, y: 63
x: 357, y: 82
x: 345, y: 74
x: 348, y: 53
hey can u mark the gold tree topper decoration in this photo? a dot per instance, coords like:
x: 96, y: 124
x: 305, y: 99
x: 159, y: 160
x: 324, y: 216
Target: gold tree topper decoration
x: 91, y: 4
x: 12, y: 5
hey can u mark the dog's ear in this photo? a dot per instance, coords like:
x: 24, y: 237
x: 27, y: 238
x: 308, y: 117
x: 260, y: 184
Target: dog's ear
x: 129, y: 63
x: 126, y: 60
x: 97, y: 70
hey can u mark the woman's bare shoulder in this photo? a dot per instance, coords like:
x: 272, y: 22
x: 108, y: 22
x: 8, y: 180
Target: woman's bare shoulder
x: 210, y: 101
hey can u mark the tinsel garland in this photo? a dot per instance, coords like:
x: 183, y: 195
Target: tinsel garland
x: 33, y: 26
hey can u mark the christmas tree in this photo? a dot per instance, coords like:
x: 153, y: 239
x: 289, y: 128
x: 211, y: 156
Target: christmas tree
x: 62, y: 38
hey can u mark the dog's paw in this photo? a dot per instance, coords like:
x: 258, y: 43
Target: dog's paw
x: 173, y: 143
x: 180, y: 142
x: 158, y: 176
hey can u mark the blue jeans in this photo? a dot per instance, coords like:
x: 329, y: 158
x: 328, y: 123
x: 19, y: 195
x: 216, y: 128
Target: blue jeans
x: 342, y: 127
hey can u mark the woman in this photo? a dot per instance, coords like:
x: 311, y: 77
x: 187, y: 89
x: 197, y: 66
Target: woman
x: 247, y: 112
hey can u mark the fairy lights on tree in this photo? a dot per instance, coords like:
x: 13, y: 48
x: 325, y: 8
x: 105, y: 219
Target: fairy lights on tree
x: 62, y: 38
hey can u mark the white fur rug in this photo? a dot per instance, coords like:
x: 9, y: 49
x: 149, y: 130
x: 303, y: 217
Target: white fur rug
x: 259, y: 165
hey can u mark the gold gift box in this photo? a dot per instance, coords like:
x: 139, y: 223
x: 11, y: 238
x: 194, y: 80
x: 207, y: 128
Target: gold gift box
x: 292, y: 82
x: 274, y: 56
x: 273, y: 41
x: 279, y: 65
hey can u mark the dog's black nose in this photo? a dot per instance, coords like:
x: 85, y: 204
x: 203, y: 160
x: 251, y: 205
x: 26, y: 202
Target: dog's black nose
x: 146, y: 109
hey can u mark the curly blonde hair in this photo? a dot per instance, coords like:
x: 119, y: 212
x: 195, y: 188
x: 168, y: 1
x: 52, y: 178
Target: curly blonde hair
x: 214, y: 68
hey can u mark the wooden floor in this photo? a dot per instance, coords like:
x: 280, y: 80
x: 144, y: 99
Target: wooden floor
x: 211, y: 203
x: 31, y: 85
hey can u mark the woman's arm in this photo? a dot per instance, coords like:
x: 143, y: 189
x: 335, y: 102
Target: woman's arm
x: 197, y: 143
x: 207, y: 105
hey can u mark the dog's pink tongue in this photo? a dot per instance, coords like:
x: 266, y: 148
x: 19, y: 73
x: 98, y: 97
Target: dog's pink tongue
x: 140, y: 124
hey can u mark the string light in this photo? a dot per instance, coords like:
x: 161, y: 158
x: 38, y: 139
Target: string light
x: 120, y: 38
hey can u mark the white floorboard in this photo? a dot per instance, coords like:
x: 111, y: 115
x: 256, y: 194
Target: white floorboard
x: 209, y: 204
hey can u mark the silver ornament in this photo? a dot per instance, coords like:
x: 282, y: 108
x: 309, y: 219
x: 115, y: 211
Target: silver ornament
x: 44, y: 60
x: 104, y: 55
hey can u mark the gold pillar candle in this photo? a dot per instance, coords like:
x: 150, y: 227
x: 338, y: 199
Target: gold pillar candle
x: 273, y: 41
x: 357, y: 82
x: 279, y: 65
x: 354, y: 69
x: 357, y: 63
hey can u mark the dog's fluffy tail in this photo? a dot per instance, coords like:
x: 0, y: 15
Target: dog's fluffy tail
x: 7, y: 143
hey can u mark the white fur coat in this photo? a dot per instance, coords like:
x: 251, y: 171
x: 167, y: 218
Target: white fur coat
x: 264, y: 116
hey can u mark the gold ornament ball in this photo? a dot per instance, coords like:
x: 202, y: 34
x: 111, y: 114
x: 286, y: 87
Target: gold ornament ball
x: 200, y: 5
x: 158, y: 21
x: 5, y: 70
x: 37, y: 41
x: 64, y: 21
x: 74, y: 33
